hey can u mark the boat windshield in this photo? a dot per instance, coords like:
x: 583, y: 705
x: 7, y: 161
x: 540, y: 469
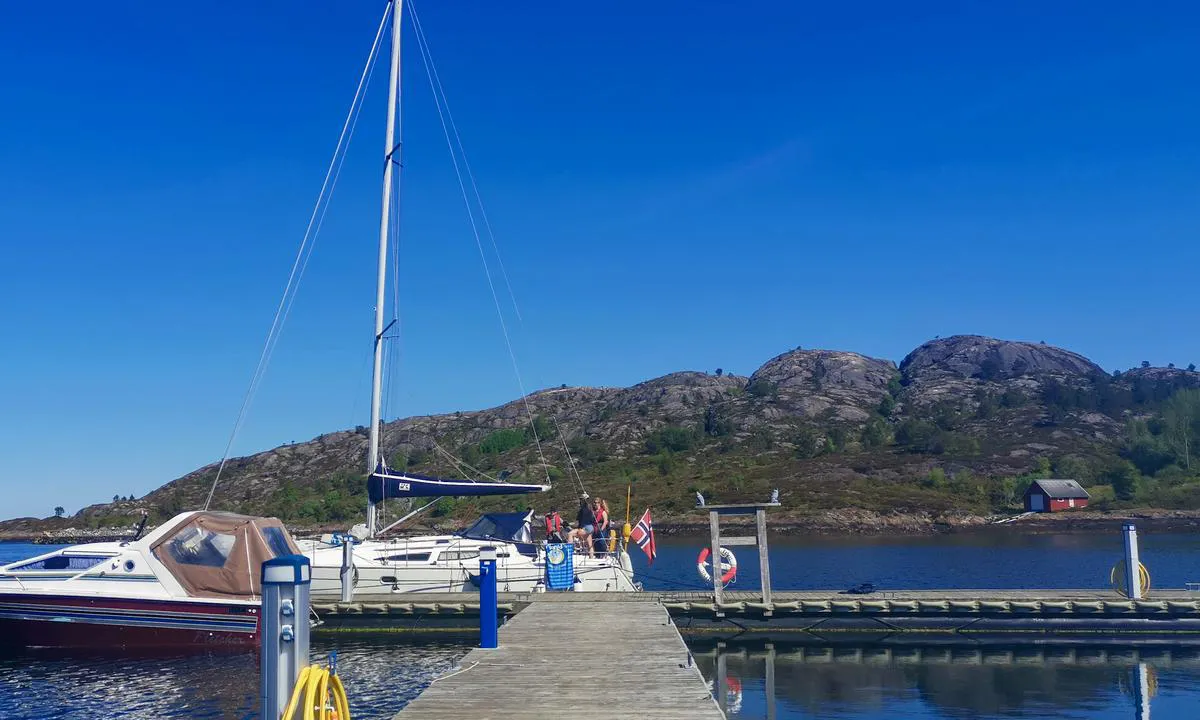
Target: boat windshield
x: 221, y: 554
x: 513, y: 527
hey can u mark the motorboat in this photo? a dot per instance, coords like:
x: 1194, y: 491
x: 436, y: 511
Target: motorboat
x: 191, y: 581
x: 450, y: 562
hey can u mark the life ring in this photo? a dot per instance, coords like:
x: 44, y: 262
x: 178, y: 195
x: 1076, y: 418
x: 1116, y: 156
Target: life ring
x: 728, y: 564
x: 733, y: 695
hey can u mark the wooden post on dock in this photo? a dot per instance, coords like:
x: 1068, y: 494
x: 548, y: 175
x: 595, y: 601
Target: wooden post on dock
x: 764, y: 565
x: 714, y: 529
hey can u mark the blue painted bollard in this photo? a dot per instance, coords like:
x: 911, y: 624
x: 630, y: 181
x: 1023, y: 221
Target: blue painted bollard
x: 283, y: 629
x: 489, y: 635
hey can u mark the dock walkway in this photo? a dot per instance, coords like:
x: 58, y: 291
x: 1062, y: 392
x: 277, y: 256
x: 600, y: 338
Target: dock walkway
x: 552, y: 663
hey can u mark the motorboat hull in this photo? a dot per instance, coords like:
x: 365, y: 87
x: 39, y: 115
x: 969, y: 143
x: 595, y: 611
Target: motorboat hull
x: 63, y: 621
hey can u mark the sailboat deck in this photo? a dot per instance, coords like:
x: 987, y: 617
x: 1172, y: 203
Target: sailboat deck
x: 550, y: 664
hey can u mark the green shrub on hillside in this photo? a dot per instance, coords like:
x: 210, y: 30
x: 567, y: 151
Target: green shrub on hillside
x: 762, y: 388
x: 501, y: 441
x: 671, y: 438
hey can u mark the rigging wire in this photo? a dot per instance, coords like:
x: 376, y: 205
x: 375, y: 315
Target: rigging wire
x: 461, y: 465
x: 440, y: 92
x: 442, y: 107
x: 304, y: 252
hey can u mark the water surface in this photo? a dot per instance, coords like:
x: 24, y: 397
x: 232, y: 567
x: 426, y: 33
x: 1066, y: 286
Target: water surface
x: 382, y: 673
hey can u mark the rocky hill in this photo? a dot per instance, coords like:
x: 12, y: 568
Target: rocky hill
x: 954, y: 432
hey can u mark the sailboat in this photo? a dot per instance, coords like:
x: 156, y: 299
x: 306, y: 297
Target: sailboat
x: 437, y: 563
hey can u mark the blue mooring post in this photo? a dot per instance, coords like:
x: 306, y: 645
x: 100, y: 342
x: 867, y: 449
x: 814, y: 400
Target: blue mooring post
x: 283, y: 628
x: 489, y: 634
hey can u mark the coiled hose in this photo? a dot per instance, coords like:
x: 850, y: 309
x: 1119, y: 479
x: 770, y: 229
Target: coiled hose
x: 321, y: 695
x: 1117, y: 578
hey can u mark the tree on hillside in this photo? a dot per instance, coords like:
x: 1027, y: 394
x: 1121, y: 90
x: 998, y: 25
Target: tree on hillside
x: 1124, y: 479
x: 1145, y: 363
x: 1181, y: 419
x: 720, y: 372
x: 116, y: 498
x: 805, y: 441
x: 1191, y: 367
x: 715, y: 423
x: 59, y: 511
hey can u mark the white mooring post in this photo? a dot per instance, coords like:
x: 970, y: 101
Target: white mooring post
x: 1133, y: 574
x: 347, y: 574
x: 283, y: 629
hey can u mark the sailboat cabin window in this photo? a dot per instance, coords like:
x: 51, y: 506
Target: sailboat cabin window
x: 451, y: 555
x: 201, y: 546
x: 409, y: 557
x: 77, y: 563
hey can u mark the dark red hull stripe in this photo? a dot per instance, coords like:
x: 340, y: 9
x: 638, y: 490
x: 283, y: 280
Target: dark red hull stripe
x: 135, y: 617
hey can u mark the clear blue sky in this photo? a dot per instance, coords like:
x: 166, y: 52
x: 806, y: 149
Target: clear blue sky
x: 675, y: 185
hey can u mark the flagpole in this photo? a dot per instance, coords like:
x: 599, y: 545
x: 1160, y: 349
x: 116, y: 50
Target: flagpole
x: 625, y: 531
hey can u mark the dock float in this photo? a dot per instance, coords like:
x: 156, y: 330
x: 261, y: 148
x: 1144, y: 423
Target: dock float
x: 550, y: 663
x: 925, y: 611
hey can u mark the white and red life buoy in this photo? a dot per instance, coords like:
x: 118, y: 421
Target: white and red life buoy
x: 728, y: 565
x: 733, y: 695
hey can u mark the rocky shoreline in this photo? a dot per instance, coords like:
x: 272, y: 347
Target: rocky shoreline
x: 831, y: 523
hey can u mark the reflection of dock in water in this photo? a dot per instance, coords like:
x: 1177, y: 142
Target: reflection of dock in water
x: 1161, y: 657
x: 983, y: 681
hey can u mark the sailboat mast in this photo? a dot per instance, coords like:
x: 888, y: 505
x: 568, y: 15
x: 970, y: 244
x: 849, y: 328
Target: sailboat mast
x: 391, y: 159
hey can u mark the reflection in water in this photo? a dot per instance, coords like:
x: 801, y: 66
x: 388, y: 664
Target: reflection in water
x: 381, y: 675
x: 785, y: 682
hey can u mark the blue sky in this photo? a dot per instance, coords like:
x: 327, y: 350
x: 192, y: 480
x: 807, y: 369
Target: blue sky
x: 674, y: 185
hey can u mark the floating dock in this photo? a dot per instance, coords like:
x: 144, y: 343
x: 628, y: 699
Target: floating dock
x: 552, y: 661
x: 976, y: 612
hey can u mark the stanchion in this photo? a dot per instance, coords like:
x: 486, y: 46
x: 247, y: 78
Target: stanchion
x: 347, y: 575
x: 283, y: 625
x: 489, y: 635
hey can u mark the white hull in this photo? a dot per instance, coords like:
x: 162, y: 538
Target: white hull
x: 447, y: 563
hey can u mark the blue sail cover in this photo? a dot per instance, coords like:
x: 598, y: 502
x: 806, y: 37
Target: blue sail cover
x: 385, y: 483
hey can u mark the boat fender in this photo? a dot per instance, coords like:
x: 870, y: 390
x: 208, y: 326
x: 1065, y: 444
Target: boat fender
x: 728, y: 565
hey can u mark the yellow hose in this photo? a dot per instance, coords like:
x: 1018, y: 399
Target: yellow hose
x: 323, y: 695
x: 1117, y: 578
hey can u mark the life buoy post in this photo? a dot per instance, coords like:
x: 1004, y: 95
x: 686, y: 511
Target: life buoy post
x: 718, y: 547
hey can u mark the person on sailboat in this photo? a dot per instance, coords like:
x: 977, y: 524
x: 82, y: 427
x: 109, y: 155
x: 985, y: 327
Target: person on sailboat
x: 554, y: 527
x: 600, y: 508
x: 585, y: 522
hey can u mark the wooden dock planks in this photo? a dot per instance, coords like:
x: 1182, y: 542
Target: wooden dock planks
x: 556, y: 660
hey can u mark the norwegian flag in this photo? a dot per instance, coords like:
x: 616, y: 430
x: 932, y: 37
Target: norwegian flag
x: 643, y: 535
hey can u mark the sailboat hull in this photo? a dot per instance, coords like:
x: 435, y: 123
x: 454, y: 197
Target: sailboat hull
x: 441, y: 564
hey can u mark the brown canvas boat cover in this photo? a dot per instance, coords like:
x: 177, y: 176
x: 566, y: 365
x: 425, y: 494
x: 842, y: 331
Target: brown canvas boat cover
x: 216, y: 554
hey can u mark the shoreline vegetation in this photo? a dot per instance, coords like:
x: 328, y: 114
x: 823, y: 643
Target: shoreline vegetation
x: 837, y: 523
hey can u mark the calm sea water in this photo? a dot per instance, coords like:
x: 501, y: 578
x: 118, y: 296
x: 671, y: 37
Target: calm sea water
x: 853, y: 683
